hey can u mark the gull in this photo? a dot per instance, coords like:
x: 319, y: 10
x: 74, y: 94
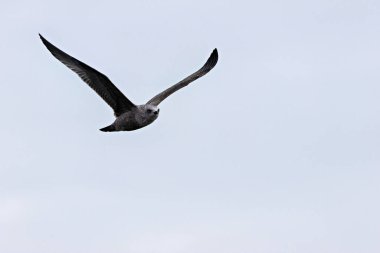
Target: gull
x: 129, y: 116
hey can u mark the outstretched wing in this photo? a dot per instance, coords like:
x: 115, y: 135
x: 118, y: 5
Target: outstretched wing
x: 210, y: 64
x: 96, y: 80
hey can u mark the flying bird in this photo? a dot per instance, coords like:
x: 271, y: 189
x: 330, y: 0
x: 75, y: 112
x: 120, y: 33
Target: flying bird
x: 128, y: 115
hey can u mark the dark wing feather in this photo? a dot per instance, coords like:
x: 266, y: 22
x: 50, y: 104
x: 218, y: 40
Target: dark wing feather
x: 96, y: 80
x: 210, y: 64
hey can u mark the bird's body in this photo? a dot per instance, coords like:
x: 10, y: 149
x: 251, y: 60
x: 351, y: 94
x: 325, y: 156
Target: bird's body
x: 128, y: 115
x: 138, y: 117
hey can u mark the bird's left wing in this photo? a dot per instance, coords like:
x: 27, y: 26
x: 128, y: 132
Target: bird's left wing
x: 210, y: 64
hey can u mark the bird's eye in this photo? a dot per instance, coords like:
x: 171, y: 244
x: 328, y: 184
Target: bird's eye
x: 149, y: 111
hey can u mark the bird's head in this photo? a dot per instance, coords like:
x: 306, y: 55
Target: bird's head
x: 148, y: 113
x: 151, y: 110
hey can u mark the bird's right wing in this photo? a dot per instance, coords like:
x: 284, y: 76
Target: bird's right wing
x: 209, y: 65
x: 96, y: 80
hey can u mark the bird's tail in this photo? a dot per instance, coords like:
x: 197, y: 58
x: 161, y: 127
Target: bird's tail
x: 110, y: 128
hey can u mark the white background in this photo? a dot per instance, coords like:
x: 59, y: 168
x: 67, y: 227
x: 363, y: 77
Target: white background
x: 275, y: 150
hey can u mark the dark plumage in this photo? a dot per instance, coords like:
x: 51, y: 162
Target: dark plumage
x: 128, y: 115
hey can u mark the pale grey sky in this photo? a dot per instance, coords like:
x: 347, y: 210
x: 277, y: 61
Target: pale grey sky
x: 275, y: 150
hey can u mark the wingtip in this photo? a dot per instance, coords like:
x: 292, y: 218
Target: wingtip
x: 215, y: 52
x: 213, y: 59
x: 42, y: 38
x: 46, y: 43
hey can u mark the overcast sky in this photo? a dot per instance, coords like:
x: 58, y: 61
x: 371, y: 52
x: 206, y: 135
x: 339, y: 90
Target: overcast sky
x: 275, y: 150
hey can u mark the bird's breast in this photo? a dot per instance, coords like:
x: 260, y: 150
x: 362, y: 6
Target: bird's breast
x: 131, y: 121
